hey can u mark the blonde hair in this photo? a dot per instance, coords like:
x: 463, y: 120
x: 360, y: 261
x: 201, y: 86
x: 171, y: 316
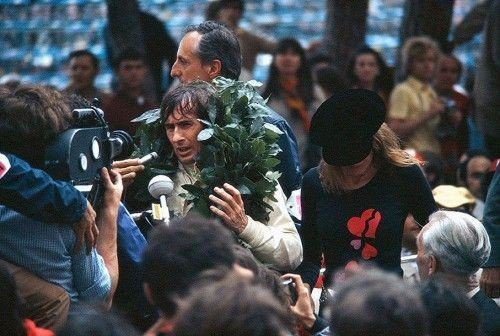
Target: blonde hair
x: 415, y: 47
x: 386, y: 148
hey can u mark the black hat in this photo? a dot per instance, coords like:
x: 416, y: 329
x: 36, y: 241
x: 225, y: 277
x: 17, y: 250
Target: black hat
x: 344, y: 125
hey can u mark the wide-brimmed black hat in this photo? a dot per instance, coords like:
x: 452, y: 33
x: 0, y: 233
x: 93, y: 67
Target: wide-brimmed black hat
x: 344, y: 125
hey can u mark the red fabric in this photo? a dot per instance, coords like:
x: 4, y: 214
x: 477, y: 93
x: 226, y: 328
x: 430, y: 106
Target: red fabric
x: 33, y: 330
x: 120, y: 109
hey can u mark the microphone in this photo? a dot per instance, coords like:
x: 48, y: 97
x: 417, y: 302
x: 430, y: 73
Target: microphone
x: 160, y: 187
x: 147, y: 158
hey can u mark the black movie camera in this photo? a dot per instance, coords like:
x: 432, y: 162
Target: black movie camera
x: 78, y: 154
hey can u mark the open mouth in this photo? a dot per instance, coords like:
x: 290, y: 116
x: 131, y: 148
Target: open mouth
x: 183, y: 150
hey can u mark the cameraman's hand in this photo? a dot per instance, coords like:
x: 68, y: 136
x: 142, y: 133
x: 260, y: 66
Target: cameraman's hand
x: 113, y: 187
x: 128, y: 169
x: 86, y: 229
x: 304, y: 307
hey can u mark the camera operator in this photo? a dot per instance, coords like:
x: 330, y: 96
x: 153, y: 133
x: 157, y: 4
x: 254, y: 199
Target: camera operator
x: 30, y: 118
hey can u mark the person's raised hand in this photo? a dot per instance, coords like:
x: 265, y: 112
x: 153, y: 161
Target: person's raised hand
x: 128, y: 169
x: 229, y: 207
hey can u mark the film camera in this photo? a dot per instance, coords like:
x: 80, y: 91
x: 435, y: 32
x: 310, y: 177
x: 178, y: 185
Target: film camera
x: 78, y: 154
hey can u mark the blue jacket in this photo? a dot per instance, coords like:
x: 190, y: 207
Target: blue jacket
x: 35, y: 194
x: 289, y: 165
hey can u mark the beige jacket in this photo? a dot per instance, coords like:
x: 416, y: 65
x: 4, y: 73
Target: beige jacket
x: 276, y: 243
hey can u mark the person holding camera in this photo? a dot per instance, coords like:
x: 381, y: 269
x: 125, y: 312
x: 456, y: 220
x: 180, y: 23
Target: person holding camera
x: 414, y: 106
x: 452, y: 130
x: 31, y: 118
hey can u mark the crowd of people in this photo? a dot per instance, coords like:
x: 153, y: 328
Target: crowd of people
x: 377, y: 171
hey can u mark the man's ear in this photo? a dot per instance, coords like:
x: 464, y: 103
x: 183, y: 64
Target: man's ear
x: 214, y: 68
x: 433, y: 264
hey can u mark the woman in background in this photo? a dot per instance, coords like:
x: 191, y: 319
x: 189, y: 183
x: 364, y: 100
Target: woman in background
x: 292, y: 93
x: 368, y: 70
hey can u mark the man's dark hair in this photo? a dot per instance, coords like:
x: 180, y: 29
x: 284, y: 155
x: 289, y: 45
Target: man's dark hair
x: 376, y: 303
x: 177, y: 254
x: 218, y: 43
x: 87, y: 320
x: 233, y: 308
x: 30, y: 118
x: 84, y: 52
x: 238, y: 4
x: 128, y: 54
x: 186, y: 99
x: 449, y: 309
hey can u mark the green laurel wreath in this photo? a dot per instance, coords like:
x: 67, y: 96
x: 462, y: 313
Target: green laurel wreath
x: 239, y: 148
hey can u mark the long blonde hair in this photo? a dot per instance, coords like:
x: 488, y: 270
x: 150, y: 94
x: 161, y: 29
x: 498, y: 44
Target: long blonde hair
x: 386, y: 149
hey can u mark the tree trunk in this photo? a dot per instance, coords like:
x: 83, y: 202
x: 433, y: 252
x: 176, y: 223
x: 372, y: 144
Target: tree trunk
x: 345, y: 29
x: 124, y: 31
x: 428, y: 17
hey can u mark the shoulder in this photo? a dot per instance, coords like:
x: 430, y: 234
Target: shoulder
x: 311, y: 178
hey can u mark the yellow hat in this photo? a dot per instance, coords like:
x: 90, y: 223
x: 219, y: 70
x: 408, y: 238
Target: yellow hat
x: 450, y: 197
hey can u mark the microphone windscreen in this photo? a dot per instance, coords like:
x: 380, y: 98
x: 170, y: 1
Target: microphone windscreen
x: 160, y: 185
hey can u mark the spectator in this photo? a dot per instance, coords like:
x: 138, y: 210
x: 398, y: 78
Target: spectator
x: 230, y: 13
x: 449, y: 197
x: 128, y: 102
x: 45, y: 113
x: 83, y: 67
x: 292, y: 94
x: 449, y: 309
x: 414, y: 106
x: 452, y: 129
x: 209, y: 50
x: 490, y: 278
x: 274, y: 242
x: 487, y: 82
x: 368, y: 70
x: 453, y: 246
x: 252, y: 312
x: 92, y: 321
x: 183, y: 251
x: 346, y: 217
x: 329, y: 80
x: 472, y: 171
x: 377, y: 304
x: 12, y: 320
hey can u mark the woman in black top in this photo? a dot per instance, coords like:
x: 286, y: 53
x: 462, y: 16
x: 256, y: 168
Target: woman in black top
x: 355, y: 202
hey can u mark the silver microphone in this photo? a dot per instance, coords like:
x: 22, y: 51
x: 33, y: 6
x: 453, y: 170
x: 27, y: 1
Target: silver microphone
x: 160, y: 187
x: 147, y: 158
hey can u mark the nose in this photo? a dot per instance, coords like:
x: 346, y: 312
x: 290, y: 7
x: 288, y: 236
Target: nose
x: 177, y: 136
x: 174, y: 72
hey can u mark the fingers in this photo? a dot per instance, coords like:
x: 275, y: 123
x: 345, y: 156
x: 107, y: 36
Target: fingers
x: 233, y: 192
x: 128, y: 166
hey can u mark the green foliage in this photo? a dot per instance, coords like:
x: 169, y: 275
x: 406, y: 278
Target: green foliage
x: 239, y: 148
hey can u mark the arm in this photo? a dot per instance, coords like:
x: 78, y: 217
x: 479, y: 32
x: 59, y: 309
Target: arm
x: 303, y: 309
x: 405, y: 127
x: 276, y: 244
x: 289, y: 165
x: 35, y: 194
x: 107, y: 220
x: 490, y: 278
x: 421, y: 203
x: 398, y: 117
x: 310, y: 267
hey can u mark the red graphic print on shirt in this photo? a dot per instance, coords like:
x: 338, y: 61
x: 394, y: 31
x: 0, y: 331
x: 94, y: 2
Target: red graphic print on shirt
x: 364, y: 227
